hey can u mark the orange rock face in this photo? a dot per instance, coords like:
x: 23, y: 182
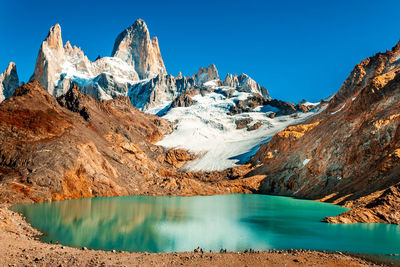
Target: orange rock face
x: 348, y: 152
x: 135, y: 47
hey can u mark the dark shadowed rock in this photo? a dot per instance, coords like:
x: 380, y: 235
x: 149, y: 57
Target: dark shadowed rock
x: 8, y: 81
x: 302, y: 108
x: 242, y: 123
x: 184, y: 100
x: 255, y: 126
x: 247, y: 105
x: 74, y: 101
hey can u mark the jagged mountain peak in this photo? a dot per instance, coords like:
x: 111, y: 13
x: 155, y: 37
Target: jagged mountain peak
x: 206, y: 74
x: 140, y: 25
x: 10, y: 68
x: 50, y: 59
x: 58, y: 67
x: 135, y: 68
x: 245, y: 83
x: 54, y: 39
x: 134, y: 46
x: 8, y: 81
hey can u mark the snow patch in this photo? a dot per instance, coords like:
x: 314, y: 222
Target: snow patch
x: 306, y: 103
x: 306, y: 161
x: 332, y: 113
x: 212, y: 83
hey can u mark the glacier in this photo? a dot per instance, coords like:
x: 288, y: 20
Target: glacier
x: 206, y: 130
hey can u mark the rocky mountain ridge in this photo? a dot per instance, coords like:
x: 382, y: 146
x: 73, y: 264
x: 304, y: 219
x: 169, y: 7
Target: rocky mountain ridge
x: 135, y: 69
x: 348, y: 153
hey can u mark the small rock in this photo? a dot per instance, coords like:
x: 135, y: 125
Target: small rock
x: 255, y: 126
x: 198, y: 250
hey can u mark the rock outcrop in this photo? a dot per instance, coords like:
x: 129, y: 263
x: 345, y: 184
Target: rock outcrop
x: 242, y: 123
x: 379, y: 207
x: 159, y: 90
x: 281, y: 107
x: 244, y: 83
x: 349, y: 151
x: 135, y: 47
x: 185, y: 99
x: 205, y: 75
x: 8, y: 81
x: 175, y: 157
x: 254, y: 127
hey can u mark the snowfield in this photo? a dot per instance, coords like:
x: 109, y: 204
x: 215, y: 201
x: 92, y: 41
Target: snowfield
x: 206, y: 130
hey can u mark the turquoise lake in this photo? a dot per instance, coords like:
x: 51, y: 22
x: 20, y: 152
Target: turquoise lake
x: 176, y: 224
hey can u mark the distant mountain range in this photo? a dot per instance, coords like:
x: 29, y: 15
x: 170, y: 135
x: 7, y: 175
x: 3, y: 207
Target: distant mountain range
x: 135, y: 69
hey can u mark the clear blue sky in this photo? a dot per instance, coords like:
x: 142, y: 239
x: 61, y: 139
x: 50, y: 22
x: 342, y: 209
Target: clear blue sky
x: 296, y: 49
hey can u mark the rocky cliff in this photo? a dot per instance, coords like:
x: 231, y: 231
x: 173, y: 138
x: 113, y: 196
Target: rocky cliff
x: 135, y: 47
x: 348, y: 153
x: 8, y: 81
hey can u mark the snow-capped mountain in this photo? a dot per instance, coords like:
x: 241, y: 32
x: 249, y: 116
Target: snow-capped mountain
x: 135, y: 68
x: 222, y: 122
x: 158, y: 92
x: 58, y: 66
x: 8, y: 81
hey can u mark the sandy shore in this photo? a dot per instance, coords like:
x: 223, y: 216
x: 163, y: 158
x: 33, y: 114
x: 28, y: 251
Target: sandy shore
x: 19, y: 247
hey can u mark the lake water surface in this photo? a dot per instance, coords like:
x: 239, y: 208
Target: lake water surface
x: 176, y: 224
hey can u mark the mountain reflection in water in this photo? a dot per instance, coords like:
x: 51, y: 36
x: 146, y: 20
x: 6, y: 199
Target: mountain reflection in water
x: 234, y: 222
